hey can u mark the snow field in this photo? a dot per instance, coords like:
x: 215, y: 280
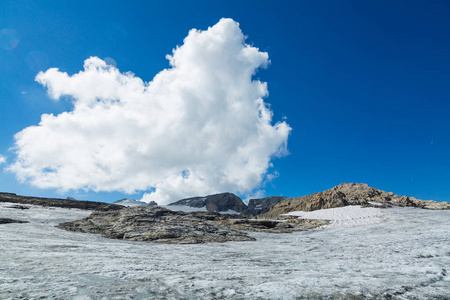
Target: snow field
x: 406, y: 256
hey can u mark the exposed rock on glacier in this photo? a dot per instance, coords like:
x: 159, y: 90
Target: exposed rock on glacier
x: 157, y: 224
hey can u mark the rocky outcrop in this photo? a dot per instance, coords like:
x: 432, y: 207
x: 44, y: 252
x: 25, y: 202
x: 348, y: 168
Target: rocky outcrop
x: 261, y: 206
x: 214, y: 203
x: 53, y: 202
x: 157, y: 224
x: 288, y: 225
x: 350, y: 194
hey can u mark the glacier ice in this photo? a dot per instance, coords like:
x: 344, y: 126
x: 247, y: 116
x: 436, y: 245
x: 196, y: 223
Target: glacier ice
x: 406, y: 255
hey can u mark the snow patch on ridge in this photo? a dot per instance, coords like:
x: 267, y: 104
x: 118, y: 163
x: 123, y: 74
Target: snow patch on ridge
x: 347, y: 216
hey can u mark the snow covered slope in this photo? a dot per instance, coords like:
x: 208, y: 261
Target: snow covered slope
x: 344, y: 216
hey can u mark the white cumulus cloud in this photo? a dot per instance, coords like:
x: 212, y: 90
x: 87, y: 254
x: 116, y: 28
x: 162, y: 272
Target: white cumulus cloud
x: 2, y: 159
x: 201, y: 126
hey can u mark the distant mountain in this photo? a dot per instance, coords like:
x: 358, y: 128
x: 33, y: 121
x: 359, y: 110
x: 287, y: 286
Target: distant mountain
x: 132, y: 202
x: 214, y: 203
x: 55, y: 202
x: 350, y: 194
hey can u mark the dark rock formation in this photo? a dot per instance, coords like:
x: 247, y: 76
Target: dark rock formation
x: 53, y: 202
x: 8, y: 221
x: 350, y: 194
x: 157, y: 224
x: 22, y: 207
x: 214, y: 203
x: 261, y: 206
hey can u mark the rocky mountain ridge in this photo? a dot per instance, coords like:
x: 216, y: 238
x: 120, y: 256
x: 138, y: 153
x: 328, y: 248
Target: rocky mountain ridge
x: 214, y: 203
x: 350, y: 194
x: 260, y: 206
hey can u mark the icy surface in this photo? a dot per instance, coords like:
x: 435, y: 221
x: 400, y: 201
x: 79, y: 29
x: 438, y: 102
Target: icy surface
x: 406, y: 256
x: 344, y: 216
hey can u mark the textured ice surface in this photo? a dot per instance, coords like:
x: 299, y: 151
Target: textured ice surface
x: 407, y: 256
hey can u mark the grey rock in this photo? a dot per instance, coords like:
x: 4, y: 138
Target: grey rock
x: 157, y: 224
x: 214, y: 203
x: 287, y: 225
x: 261, y: 206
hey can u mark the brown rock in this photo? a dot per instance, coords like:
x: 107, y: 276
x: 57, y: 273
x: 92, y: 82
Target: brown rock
x: 350, y: 194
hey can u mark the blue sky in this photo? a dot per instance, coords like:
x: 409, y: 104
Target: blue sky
x: 364, y: 85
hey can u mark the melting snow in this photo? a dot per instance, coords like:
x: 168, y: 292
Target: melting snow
x: 344, y: 216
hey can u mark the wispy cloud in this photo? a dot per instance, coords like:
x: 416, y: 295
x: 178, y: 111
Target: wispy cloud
x: 2, y: 159
x: 199, y: 127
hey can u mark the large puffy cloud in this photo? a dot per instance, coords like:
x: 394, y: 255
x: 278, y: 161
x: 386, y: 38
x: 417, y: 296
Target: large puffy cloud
x: 199, y: 127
